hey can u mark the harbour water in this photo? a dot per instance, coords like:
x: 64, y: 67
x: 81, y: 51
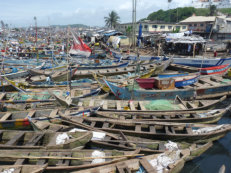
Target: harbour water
x: 219, y: 154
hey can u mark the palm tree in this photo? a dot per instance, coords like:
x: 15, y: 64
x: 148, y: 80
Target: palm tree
x: 112, y: 19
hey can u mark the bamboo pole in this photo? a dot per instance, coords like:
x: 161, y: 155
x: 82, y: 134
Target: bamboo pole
x: 68, y: 158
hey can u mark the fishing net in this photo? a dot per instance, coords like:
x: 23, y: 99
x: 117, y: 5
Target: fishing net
x: 33, y: 96
x: 162, y: 105
x: 225, y: 81
x: 134, y: 87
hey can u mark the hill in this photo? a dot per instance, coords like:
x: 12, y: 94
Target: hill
x: 72, y: 25
x: 178, y: 14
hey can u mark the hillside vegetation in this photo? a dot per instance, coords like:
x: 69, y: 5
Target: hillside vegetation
x: 178, y: 14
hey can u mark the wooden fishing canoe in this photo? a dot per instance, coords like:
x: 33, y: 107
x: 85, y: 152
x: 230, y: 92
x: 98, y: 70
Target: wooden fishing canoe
x: 59, y: 161
x: 20, y: 74
x: 57, y: 76
x: 146, y: 163
x: 45, y: 96
x: 156, y: 130
x: 118, y: 71
x: 204, y: 116
x: 43, y: 140
x: 104, y: 140
x: 23, y: 169
x: 151, y: 106
x: 211, y: 86
x: 99, y: 78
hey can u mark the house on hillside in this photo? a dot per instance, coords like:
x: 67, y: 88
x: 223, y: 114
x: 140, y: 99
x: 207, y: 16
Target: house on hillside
x: 214, y: 27
x: 149, y: 27
x: 207, y: 3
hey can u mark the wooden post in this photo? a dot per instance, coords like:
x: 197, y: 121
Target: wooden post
x: 194, y: 49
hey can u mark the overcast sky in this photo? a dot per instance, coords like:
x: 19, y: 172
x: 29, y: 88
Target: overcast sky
x: 89, y: 12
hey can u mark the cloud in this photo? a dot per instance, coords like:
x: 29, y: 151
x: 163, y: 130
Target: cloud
x: 88, y: 12
x: 126, y: 6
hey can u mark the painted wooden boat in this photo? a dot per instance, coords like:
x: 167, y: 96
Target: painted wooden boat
x: 59, y: 161
x: 99, y: 79
x: 205, y: 116
x: 43, y: 140
x: 57, y: 76
x: 201, y: 61
x: 215, y: 70
x: 146, y: 164
x: 22, y: 168
x: 20, y: 74
x: 207, y: 87
x: 94, y: 67
x: 178, y: 105
x: 157, y: 130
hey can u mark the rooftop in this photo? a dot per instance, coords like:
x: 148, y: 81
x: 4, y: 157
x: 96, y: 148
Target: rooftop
x: 199, y: 19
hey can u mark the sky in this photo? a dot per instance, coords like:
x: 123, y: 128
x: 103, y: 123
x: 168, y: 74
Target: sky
x: 20, y: 13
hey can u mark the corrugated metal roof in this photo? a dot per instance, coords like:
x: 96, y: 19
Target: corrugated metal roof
x: 199, y: 19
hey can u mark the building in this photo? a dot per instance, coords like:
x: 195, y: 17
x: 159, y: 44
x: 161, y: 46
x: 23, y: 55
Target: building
x: 216, y: 27
x: 207, y: 3
x: 199, y: 23
x: 149, y: 27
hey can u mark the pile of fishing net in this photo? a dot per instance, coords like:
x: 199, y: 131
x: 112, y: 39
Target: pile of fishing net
x: 162, y: 105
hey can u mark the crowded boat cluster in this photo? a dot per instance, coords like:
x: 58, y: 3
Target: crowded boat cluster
x: 91, y: 102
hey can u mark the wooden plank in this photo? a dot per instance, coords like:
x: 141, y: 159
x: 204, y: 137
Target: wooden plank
x: 92, y: 103
x: 131, y: 105
x: 53, y: 113
x: 138, y: 128
x: 31, y: 114
x: 123, y: 168
x: 34, y: 140
x: 105, y: 105
x: 190, y: 105
x: 152, y: 129
x: 189, y: 130
x: 167, y: 117
x: 21, y: 161
x: 105, y: 125
x: 172, y: 129
x: 118, y: 105
x: 167, y: 130
x: 147, y: 166
x: 80, y: 104
x: 93, y: 124
x: 64, y: 162
x: 16, y: 138
x: 42, y: 161
x: 6, y: 116
x: 2, y: 96
x: 207, y: 80
x: 142, y: 107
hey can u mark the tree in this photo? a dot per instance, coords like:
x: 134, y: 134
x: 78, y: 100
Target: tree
x: 212, y: 10
x: 112, y: 19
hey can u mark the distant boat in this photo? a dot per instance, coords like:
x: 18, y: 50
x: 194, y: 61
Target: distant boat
x: 201, y: 62
x: 215, y: 70
x: 79, y: 47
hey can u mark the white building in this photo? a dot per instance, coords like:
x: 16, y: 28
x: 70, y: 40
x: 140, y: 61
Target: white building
x: 207, y: 3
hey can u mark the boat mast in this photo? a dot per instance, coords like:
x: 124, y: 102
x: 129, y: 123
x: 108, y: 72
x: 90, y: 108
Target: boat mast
x: 36, y: 37
x: 68, y: 65
x: 134, y: 38
x: 134, y: 24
